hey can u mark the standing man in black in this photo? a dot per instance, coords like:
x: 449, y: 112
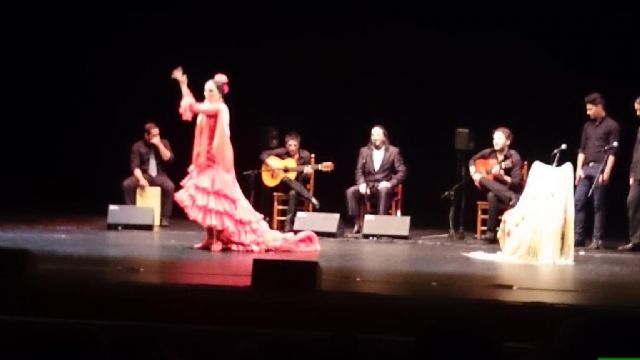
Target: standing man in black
x: 380, y: 168
x: 633, y: 199
x: 148, y: 159
x: 292, y: 186
x: 596, y: 151
x: 502, y: 182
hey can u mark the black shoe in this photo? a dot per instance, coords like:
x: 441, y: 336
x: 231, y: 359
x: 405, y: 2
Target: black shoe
x: 315, y: 203
x: 595, y: 245
x: 632, y: 246
x: 514, y: 201
x: 489, y: 237
x: 357, y: 229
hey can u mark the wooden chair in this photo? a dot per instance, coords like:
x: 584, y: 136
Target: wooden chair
x: 281, y: 202
x: 396, y: 203
x: 483, y: 207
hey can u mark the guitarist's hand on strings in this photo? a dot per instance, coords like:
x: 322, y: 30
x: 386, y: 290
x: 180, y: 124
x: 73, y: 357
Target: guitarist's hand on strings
x: 474, y: 175
x: 363, y: 189
x: 274, y: 166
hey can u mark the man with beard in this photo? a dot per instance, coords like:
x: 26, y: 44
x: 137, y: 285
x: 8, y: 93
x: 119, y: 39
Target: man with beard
x: 501, y: 178
x: 379, y: 169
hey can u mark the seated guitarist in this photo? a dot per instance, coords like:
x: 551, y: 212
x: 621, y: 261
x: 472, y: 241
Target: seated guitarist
x: 498, y: 171
x: 293, y: 187
x: 379, y: 169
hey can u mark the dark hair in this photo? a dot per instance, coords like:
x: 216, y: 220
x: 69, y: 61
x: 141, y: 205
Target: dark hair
x: 292, y: 135
x: 505, y: 131
x: 594, y: 99
x: 220, y: 88
x: 149, y: 126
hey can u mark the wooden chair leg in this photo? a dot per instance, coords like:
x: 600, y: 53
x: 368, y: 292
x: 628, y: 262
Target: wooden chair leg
x: 274, y: 217
x: 478, y: 222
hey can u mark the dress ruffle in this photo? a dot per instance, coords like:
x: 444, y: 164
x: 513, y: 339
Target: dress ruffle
x: 212, y: 197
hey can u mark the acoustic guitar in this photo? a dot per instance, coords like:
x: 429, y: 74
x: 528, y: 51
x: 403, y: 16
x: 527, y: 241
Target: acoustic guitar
x: 290, y: 169
x: 485, y: 167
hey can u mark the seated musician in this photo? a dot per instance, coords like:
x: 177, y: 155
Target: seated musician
x: 498, y: 171
x: 295, y: 186
x: 379, y: 169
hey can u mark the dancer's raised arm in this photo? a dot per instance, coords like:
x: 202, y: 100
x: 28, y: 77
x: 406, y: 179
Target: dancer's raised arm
x: 182, y: 79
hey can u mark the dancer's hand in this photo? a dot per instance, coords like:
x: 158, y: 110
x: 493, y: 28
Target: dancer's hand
x: 179, y: 75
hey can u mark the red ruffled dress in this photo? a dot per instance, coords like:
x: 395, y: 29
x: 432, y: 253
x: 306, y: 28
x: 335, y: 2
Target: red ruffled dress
x: 211, y: 195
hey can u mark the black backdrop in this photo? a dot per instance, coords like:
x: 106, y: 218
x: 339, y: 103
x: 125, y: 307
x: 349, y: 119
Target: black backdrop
x: 86, y: 84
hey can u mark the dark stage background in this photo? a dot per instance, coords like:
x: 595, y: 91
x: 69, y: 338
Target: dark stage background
x: 86, y: 84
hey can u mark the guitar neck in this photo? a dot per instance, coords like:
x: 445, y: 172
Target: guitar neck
x: 301, y: 167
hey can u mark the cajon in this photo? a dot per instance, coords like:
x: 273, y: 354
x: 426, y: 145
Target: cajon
x: 150, y: 196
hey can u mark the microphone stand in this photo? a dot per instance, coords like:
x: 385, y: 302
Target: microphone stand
x: 451, y: 194
x: 463, y: 174
x: 604, y: 163
x: 252, y: 183
x: 555, y: 159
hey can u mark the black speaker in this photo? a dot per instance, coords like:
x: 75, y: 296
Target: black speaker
x: 324, y: 224
x: 129, y: 217
x: 287, y: 275
x: 270, y: 138
x: 386, y: 225
x: 464, y: 139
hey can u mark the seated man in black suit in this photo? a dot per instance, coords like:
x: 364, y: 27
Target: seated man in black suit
x: 380, y: 168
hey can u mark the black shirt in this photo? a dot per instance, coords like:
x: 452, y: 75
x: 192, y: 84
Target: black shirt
x: 595, y: 136
x: 512, y: 169
x: 141, y: 152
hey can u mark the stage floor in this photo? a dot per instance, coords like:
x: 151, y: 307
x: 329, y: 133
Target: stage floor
x: 78, y: 290
x: 428, y: 265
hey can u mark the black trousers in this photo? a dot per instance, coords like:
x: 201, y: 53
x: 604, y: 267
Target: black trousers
x: 633, y: 209
x: 295, y: 188
x: 382, y: 198
x: 130, y: 184
x: 581, y: 201
x: 498, y: 197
